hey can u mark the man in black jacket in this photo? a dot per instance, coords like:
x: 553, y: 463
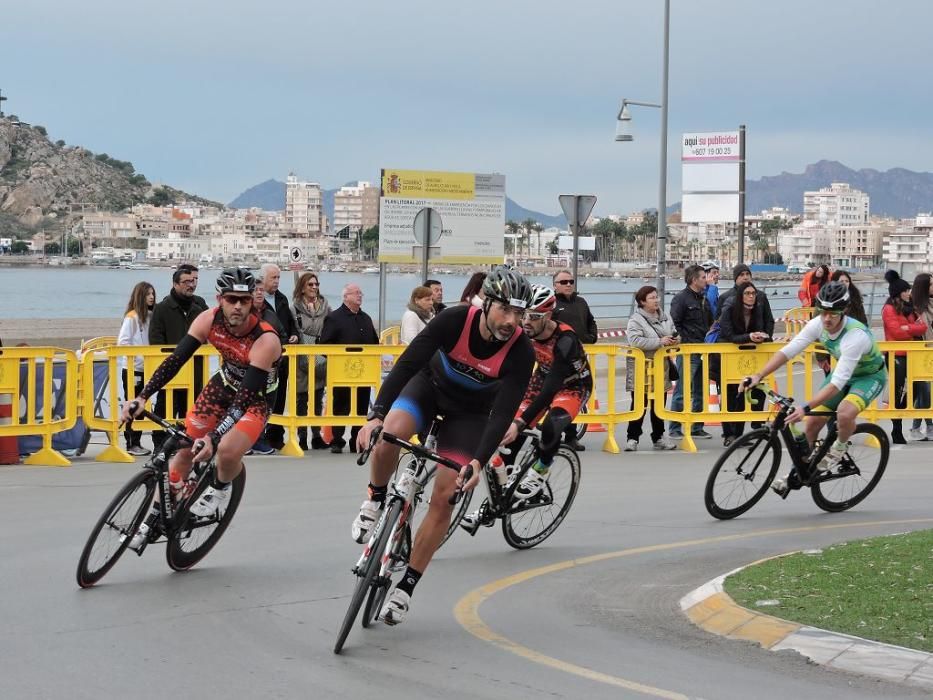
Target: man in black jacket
x: 437, y: 295
x: 169, y: 323
x: 269, y: 277
x: 349, y: 325
x: 573, y: 310
x: 692, y: 318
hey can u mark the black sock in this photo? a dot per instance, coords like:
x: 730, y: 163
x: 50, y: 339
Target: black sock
x: 409, y: 581
x: 217, y: 483
x: 378, y: 493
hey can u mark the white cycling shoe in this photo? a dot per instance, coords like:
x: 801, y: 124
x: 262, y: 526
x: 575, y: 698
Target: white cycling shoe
x: 531, y: 485
x: 395, y: 610
x: 365, y: 520
x: 210, y: 502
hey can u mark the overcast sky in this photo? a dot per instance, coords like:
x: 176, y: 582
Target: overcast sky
x: 215, y: 97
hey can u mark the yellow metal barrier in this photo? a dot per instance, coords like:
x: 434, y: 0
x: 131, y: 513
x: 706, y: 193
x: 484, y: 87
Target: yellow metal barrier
x: 193, y: 375
x: 391, y: 336
x: 30, y: 373
x: 795, y: 319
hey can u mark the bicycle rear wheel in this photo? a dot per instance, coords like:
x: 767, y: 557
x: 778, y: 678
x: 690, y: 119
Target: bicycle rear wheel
x: 742, y: 474
x: 115, y: 528
x: 192, y: 537
x: 370, y: 569
x: 531, y: 522
x: 858, y: 474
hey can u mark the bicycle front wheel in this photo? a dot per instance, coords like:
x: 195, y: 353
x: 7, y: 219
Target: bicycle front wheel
x: 115, y: 528
x: 858, y: 473
x: 530, y: 522
x: 193, y: 537
x: 370, y: 568
x: 742, y: 474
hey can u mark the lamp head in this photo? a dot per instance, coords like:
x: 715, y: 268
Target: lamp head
x: 624, y: 125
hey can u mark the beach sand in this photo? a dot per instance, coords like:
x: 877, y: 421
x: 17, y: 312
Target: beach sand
x: 65, y: 333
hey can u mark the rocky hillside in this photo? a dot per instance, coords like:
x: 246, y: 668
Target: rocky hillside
x: 41, y: 180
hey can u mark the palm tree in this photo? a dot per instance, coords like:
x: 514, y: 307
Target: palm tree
x: 528, y: 225
x: 538, y: 228
x: 514, y: 227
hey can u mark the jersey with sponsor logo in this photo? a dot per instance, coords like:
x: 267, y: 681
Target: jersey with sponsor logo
x: 234, y: 349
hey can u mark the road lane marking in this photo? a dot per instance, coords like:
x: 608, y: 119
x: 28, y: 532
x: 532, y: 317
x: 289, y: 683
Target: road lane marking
x: 466, y: 610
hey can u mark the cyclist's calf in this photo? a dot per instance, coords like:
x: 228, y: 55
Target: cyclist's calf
x: 230, y: 451
x: 552, y: 429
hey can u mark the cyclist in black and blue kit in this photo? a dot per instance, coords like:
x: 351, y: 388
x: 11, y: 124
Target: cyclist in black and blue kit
x: 471, y: 366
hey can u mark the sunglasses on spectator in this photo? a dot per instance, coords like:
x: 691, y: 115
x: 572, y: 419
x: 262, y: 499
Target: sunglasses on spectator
x: 570, y: 281
x: 313, y: 284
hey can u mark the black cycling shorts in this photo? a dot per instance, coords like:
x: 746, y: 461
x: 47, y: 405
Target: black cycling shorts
x: 459, y: 432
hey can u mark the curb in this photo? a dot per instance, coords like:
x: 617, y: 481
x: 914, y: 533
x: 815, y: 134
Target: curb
x: 712, y: 609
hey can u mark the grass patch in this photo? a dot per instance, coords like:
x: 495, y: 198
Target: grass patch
x: 879, y: 588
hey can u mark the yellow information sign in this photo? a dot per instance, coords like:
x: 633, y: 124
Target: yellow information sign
x: 428, y: 184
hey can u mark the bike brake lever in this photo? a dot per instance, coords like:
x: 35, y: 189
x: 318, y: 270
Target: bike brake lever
x: 458, y: 493
x: 364, y: 455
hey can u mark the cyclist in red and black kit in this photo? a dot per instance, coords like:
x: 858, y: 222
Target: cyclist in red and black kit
x: 561, y: 384
x: 232, y: 410
x: 470, y: 365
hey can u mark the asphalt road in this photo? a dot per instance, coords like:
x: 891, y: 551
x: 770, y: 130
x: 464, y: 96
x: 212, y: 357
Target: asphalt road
x: 258, y: 617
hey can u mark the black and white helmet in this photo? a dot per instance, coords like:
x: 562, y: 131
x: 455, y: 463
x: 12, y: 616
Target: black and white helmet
x: 509, y: 287
x: 236, y: 279
x: 834, y: 296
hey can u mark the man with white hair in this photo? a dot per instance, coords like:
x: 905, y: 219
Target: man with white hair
x: 268, y: 278
x: 349, y: 325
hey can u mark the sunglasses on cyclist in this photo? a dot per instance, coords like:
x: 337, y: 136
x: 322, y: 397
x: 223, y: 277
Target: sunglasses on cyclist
x: 234, y: 299
x: 535, y: 315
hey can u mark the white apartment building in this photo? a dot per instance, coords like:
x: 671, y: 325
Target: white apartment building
x: 176, y: 246
x: 106, y: 226
x: 807, y: 243
x: 857, y: 247
x: 302, y: 206
x: 908, y: 248
x: 356, y: 206
x: 836, y: 205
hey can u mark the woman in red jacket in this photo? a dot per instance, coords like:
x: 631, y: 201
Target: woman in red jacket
x: 901, y: 322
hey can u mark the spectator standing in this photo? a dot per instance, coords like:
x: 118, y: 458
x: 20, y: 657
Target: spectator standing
x: 856, y: 308
x: 692, y: 319
x: 923, y: 307
x: 740, y: 275
x: 573, y: 310
x: 901, y: 322
x: 473, y: 291
x: 649, y: 329
x: 269, y: 276
x: 743, y: 320
x: 135, y: 331
x: 170, y: 320
x: 811, y: 284
x: 349, y: 325
x: 437, y: 295
x: 310, y: 309
x: 420, y: 310
x: 712, y: 286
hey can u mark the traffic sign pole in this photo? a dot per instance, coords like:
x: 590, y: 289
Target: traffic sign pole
x: 577, y: 208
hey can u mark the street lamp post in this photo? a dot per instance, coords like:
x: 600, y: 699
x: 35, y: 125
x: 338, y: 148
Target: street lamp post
x: 622, y: 135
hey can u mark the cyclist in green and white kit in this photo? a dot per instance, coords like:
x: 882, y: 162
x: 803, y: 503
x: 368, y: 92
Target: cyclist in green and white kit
x: 857, y: 379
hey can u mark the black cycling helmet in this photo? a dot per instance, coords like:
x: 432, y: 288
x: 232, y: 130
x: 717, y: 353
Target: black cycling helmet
x: 834, y: 296
x: 236, y: 279
x: 509, y: 287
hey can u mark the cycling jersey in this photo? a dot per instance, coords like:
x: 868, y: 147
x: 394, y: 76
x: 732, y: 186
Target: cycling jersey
x: 562, y: 371
x: 235, y: 349
x: 468, y: 374
x: 853, y: 347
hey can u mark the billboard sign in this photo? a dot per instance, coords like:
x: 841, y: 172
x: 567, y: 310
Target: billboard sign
x: 711, y: 176
x: 466, y: 217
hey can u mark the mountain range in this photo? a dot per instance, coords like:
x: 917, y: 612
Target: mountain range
x: 896, y: 192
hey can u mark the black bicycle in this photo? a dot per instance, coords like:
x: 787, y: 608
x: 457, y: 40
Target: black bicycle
x: 526, y: 523
x: 743, y: 473
x: 390, y: 542
x: 189, y: 538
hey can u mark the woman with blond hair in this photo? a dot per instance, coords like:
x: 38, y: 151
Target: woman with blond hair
x: 135, y: 331
x: 420, y: 310
x: 309, y: 309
